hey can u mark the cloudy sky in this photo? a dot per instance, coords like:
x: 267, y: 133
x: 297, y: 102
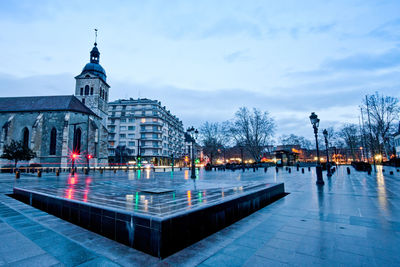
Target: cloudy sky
x: 205, y: 59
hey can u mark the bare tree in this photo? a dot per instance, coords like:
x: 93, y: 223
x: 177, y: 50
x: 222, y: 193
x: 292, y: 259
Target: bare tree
x: 350, y: 135
x: 252, y: 130
x: 213, y: 138
x: 293, y: 139
x: 383, y: 111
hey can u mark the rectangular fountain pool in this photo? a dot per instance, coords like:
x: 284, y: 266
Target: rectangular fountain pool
x: 157, y: 213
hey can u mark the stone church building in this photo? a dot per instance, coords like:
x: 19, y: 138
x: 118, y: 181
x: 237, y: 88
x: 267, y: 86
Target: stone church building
x: 55, y: 127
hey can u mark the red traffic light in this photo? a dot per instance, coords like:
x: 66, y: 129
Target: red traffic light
x: 74, y: 155
x: 89, y: 156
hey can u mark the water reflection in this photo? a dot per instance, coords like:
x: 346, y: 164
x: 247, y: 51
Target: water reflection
x: 129, y: 201
x: 70, y: 193
x: 382, y: 197
x: 126, y: 191
x: 136, y: 200
x: 189, y: 197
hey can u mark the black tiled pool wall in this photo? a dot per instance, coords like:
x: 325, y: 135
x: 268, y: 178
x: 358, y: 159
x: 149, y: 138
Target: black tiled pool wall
x: 157, y: 236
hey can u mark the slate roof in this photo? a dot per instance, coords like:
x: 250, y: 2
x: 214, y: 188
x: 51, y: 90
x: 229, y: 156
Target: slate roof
x: 43, y: 103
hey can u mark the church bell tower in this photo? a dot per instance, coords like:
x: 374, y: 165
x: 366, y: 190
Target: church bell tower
x: 91, y: 85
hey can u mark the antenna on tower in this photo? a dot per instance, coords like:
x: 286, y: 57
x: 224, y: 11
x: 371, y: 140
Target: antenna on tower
x: 95, y: 36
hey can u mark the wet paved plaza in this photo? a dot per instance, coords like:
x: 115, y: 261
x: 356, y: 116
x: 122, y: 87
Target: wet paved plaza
x: 353, y: 220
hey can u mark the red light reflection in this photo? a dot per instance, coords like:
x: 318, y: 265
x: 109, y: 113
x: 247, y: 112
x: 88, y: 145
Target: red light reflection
x: 85, y: 195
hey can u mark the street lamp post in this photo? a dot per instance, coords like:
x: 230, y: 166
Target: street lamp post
x: 328, y: 165
x: 193, y: 134
x: 315, y: 123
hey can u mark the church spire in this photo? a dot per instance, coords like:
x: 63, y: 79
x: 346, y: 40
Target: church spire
x: 95, y: 54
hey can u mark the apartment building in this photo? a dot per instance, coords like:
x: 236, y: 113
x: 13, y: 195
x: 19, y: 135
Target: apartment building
x: 143, y: 127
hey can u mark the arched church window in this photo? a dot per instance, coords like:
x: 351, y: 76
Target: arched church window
x: 91, y: 90
x: 25, y: 137
x: 53, y: 141
x: 81, y: 90
x: 87, y: 90
x: 77, y: 141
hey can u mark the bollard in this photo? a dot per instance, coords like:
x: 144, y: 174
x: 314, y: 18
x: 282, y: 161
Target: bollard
x: 383, y: 170
x: 58, y: 172
x: 254, y: 169
x: 101, y: 171
x: 39, y: 173
x: 391, y: 173
x: 17, y: 174
x: 398, y: 170
x: 276, y: 169
x: 290, y: 170
x: 180, y: 168
x: 115, y: 170
x: 126, y: 170
x: 297, y: 167
x: 265, y: 169
x: 302, y: 170
x: 86, y: 171
x: 309, y: 168
x: 369, y: 172
x: 164, y: 169
x: 348, y: 170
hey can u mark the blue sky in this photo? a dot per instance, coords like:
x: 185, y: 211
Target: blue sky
x: 205, y: 59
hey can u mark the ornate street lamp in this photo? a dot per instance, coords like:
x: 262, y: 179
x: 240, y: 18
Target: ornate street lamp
x: 193, y: 133
x: 315, y: 123
x: 328, y: 165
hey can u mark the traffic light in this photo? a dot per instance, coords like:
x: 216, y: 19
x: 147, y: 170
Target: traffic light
x: 186, y: 158
x: 139, y: 161
x: 89, y: 156
x: 74, y: 155
x: 197, y: 161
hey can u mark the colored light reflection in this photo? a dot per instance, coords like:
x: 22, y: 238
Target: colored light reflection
x: 186, y: 174
x: 85, y: 195
x: 189, y: 197
x: 200, y: 197
x: 139, y: 173
x: 147, y: 173
x: 72, y: 180
x: 70, y: 193
x: 136, y: 200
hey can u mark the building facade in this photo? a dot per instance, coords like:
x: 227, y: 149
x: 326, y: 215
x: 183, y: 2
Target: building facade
x: 142, y: 127
x: 55, y: 127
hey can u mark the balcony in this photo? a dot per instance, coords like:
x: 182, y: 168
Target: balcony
x: 150, y: 131
x: 152, y: 123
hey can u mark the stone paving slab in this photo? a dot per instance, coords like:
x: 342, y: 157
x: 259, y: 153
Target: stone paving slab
x: 353, y: 220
